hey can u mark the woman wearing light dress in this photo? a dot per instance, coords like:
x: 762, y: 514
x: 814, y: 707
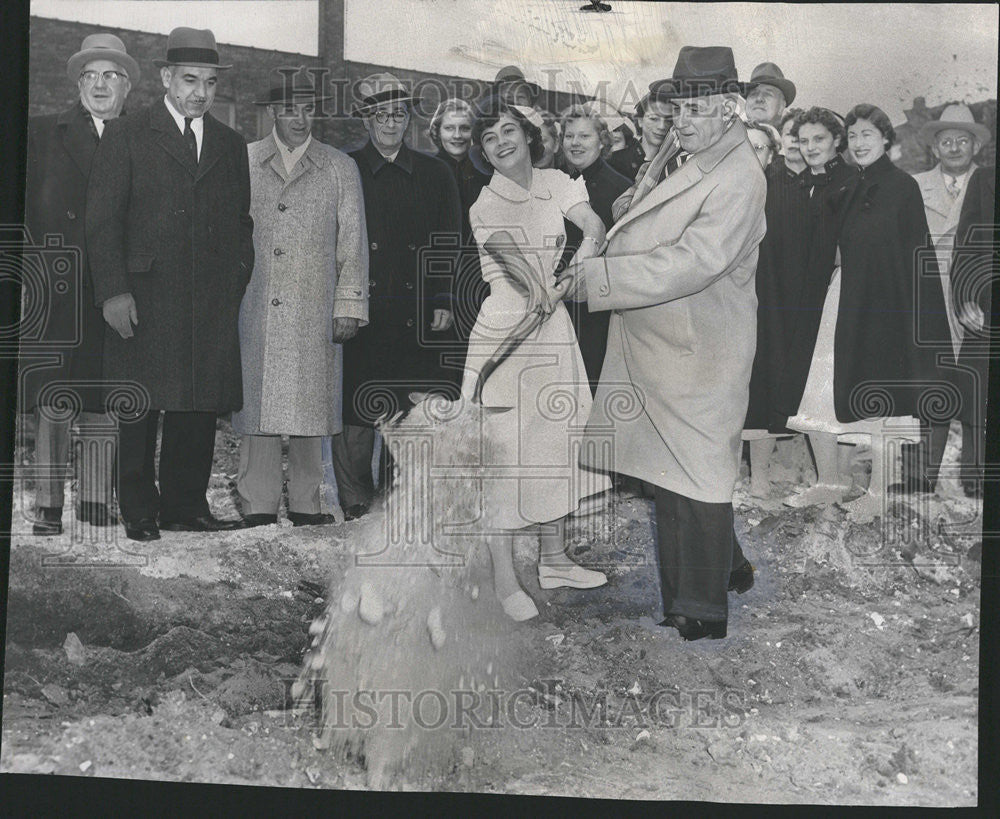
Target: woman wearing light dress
x: 538, y: 397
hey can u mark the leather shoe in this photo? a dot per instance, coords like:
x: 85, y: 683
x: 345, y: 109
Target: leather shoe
x: 94, y: 513
x: 201, y: 523
x: 141, y: 529
x: 249, y: 521
x: 741, y: 578
x: 355, y: 511
x: 49, y: 521
x: 691, y: 629
x: 310, y: 519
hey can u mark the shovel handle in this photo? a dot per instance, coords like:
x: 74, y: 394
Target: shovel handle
x: 524, y: 328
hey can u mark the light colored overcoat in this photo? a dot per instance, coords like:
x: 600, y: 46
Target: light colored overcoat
x: 942, y: 220
x: 679, y: 275
x: 311, y: 267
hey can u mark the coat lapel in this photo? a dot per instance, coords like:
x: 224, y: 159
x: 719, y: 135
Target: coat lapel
x: 679, y: 181
x: 170, y: 138
x: 211, y: 146
x: 77, y: 138
x: 935, y: 194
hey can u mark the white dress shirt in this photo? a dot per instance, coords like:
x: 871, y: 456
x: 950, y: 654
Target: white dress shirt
x: 98, y: 124
x: 197, y: 124
x: 289, y: 156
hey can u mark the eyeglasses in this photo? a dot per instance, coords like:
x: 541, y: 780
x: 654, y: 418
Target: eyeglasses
x: 949, y: 143
x: 90, y: 77
x: 398, y: 115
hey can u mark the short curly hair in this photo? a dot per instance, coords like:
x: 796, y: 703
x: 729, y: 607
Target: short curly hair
x: 876, y: 116
x: 828, y: 119
x: 449, y: 106
x: 575, y: 112
x: 490, y: 112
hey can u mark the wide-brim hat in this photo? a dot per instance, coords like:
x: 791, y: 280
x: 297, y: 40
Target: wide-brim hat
x: 102, y: 47
x: 700, y: 71
x: 770, y: 74
x: 191, y: 46
x: 291, y: 84
x: 512, y: 75
x: 959, y: 117
x: 378, y: 88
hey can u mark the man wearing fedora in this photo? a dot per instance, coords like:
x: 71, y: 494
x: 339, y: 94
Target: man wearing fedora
x: 954, y: 139
x: 411, y: 206
x: 60, y: 151
x: 170, y: 237
x: 308, y: 294
x: 678, y: 273
x: 511, y: 86
x: 768, y: 94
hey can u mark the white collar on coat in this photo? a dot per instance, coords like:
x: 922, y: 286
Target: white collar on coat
x: 509, y: 189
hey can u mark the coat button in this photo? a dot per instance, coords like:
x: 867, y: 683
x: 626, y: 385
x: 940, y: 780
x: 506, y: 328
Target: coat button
x: 605, y: 290
x: 409, y: 322
x: 374, y: 245
x: 409, y: 285
x: 371, y: 285
x: 70, y: 215
x: 282, y: 206
x: 278, y: 251
x: 412, y: 246
x: 275, y: 302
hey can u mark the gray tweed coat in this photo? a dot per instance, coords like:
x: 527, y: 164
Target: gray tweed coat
x: 311, y: 267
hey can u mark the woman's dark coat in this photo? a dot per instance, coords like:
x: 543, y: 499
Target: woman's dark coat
x: 781, y: 275
x: 178, y: 236
x: 892, y: 324
x: 61, y: 319
x: 802, y: 302
x: 604, y: 185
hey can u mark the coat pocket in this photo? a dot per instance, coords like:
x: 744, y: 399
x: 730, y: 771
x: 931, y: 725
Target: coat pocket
x: 139, y: 262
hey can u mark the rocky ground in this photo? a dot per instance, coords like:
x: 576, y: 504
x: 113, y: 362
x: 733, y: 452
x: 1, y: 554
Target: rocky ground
x: 850, y: 674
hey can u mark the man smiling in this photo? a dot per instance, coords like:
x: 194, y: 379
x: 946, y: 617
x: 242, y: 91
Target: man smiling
x: 170, y: 236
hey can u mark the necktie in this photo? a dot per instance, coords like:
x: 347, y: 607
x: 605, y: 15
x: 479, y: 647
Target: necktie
x: 951, y: 183
x: 189, y: 138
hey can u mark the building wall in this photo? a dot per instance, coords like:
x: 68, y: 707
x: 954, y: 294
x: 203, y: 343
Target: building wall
x: 53, y: 42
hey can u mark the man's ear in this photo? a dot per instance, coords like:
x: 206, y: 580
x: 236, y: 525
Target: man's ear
x: 165, y: 75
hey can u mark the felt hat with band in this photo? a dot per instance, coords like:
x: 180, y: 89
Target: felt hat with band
x: 770, y: 74
x: 191, y: 46
x: 700, y: 71
x: 102, y: 47
x: 958, y: 117
x: 289, y: 85
x: 378, y: 88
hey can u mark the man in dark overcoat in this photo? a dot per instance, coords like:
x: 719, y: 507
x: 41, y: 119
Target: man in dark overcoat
x: 60, y: 150
x: 414, y: 222
x: 171, y: 241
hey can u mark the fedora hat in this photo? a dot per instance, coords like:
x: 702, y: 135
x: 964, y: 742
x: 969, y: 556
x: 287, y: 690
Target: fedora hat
x: 511, y: 75
x: 700, y: 71
x: 770, y: 74
x: 102, y: 47
x: 191, y: 46
x: 291, y: 85
x: 378, y: 88
x: 955, y: 116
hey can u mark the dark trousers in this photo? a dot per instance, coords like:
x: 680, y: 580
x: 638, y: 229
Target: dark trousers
x: 697, y: 549
x: 352, y: 451
x: 186, y: 451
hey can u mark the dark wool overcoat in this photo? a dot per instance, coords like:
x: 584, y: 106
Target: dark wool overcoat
x: 60, y: 150
x: 414, y: 223
x: 178, y: 236
x: 781, y: 276
x: 891, y: 324
x: 803, y: 305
